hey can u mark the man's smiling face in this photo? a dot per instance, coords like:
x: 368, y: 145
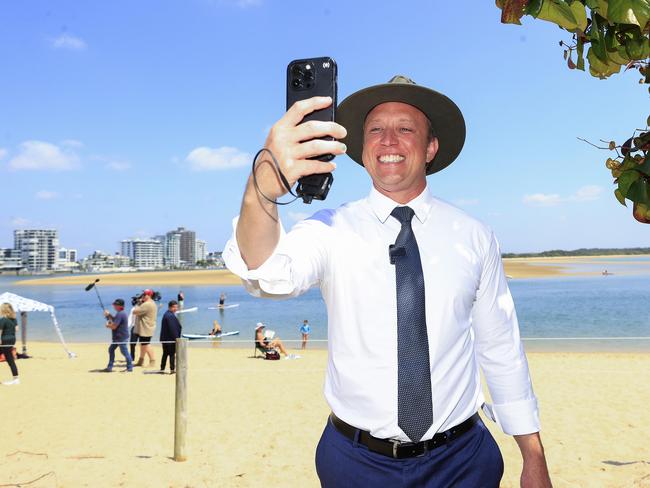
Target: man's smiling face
x: 396, y: 149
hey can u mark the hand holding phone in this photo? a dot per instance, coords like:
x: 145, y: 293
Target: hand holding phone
x: 307, y: 78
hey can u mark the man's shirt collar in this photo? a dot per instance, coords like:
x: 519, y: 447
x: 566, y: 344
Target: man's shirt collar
x: 382, y: 206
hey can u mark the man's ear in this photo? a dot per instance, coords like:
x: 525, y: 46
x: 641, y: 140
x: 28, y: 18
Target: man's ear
x: 432, y: 149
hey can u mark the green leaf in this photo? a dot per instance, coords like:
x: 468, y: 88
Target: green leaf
x: 580, y: 14
x: 635, y: 12
x: 602, y: 8
x: 619, y: 196
x: 598, y: 41
x: 511, y: 10
x: 533, y: 7
x: 580, y: 47
x: 644, y: 167
x: 638, y: 47
x: 558, y: 12
x: 598, y: 68
x: 639, y: 192
x: 628, y: 163
x: 592, y: 4
x: 611, y: 41
x: 626, y: 180
x: 616, y: 57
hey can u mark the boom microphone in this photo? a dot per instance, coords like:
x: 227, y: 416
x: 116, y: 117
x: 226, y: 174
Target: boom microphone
x: 92, y: 285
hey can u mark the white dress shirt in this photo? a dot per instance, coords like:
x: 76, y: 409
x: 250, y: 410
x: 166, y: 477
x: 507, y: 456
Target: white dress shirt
x: 470, y: 313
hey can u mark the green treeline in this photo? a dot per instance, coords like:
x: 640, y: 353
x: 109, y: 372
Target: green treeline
x: 581, y: 252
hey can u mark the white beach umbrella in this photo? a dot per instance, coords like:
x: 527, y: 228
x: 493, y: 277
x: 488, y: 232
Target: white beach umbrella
x: 22, y: 304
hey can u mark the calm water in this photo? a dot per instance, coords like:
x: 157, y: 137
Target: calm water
x: 572, y: 307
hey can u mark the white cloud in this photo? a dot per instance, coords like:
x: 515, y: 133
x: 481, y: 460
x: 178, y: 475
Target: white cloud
x: 246, y: 3
x: 586, y: 193
x: 297, y: 216
x: 39, y: 155
x: 72, y: 143
x: 3, y: 153
x: 543, y: 199
x: 67, y: 41
x: 210, y: 159
x: 46, y: 195
x: 466, y: 202
x: 118, y: 165
x: 19, y: 221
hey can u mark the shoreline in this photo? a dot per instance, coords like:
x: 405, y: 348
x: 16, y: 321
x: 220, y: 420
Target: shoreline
x: 533, y: 345
x: 517, y: 268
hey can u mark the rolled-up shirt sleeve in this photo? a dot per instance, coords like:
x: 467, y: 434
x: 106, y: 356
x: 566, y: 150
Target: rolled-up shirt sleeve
x: 297, y: 263
x: 499, y: 349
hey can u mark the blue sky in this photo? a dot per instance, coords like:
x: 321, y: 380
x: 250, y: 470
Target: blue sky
x: 103, y: 103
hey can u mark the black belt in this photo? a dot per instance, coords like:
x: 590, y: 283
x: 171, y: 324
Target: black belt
x: 399, y: 449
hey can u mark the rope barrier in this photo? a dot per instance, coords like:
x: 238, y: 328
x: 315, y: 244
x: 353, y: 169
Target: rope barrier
x: 621, y: 338
x: 193, y: 341
x: 219, y: 340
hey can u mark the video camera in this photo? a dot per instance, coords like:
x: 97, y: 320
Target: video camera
x: 137, y: 300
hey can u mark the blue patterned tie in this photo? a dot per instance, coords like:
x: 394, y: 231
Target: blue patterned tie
x: 414, y: 403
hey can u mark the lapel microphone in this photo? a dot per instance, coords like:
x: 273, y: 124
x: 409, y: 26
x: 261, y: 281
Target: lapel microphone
x: 395, y: 252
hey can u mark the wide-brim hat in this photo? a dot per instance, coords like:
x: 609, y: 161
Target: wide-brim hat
x: 446, y: 119
x: 259, y: 325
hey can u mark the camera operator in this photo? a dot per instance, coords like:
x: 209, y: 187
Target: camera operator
x: 119, y: 335
x: 145, y: 313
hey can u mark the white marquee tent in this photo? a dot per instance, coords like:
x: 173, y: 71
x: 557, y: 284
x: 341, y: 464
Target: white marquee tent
x: 25, y: 305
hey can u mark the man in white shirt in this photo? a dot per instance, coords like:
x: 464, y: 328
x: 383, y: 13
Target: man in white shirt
x: 416, y: 296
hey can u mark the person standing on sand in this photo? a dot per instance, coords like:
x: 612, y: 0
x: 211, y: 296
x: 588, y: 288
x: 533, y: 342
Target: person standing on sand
x: 8, y: 328
x: 170, y: 330
x: 145, y: 314
x: 417, y: 299
x: 305, y: 329
x: 119, y: 325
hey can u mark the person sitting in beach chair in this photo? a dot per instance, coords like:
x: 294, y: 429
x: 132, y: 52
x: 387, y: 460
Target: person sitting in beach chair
x: 216, y: 329
x: 265, y: 344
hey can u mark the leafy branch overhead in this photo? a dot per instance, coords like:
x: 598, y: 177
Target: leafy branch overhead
x: 617, y: 36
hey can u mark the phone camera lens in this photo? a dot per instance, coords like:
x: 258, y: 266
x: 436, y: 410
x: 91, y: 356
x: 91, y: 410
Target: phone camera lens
x: 296, y: 83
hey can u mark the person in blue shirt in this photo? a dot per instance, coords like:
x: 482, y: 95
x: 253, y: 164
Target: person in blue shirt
x: 170, y: 330
x: 305, y: 329
x: 119, y: 325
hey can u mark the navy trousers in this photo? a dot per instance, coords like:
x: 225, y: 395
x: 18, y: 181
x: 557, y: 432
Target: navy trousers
x: 473, y: 460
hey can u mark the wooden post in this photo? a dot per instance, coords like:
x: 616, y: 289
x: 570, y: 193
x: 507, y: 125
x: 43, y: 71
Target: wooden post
x: 23, y: 330
x: 180, y: 424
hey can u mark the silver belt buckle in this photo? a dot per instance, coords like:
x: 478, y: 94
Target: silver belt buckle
x: 396, y: 444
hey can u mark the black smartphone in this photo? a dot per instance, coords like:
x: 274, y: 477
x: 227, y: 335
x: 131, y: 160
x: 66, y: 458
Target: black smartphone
x: 306, y: 78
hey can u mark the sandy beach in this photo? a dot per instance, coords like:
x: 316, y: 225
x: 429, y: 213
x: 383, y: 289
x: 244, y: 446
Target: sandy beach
x: 515, y: 268
x: 77, y: 428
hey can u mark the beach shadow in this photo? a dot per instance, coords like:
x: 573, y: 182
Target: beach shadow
x: 98, y: 371
x: 154, y: 372
x: 624, y: 463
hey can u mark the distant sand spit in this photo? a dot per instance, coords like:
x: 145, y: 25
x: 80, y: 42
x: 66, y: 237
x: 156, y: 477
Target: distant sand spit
x: 516, y: 269
x: 257, y: 423
x: 153, y: 278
